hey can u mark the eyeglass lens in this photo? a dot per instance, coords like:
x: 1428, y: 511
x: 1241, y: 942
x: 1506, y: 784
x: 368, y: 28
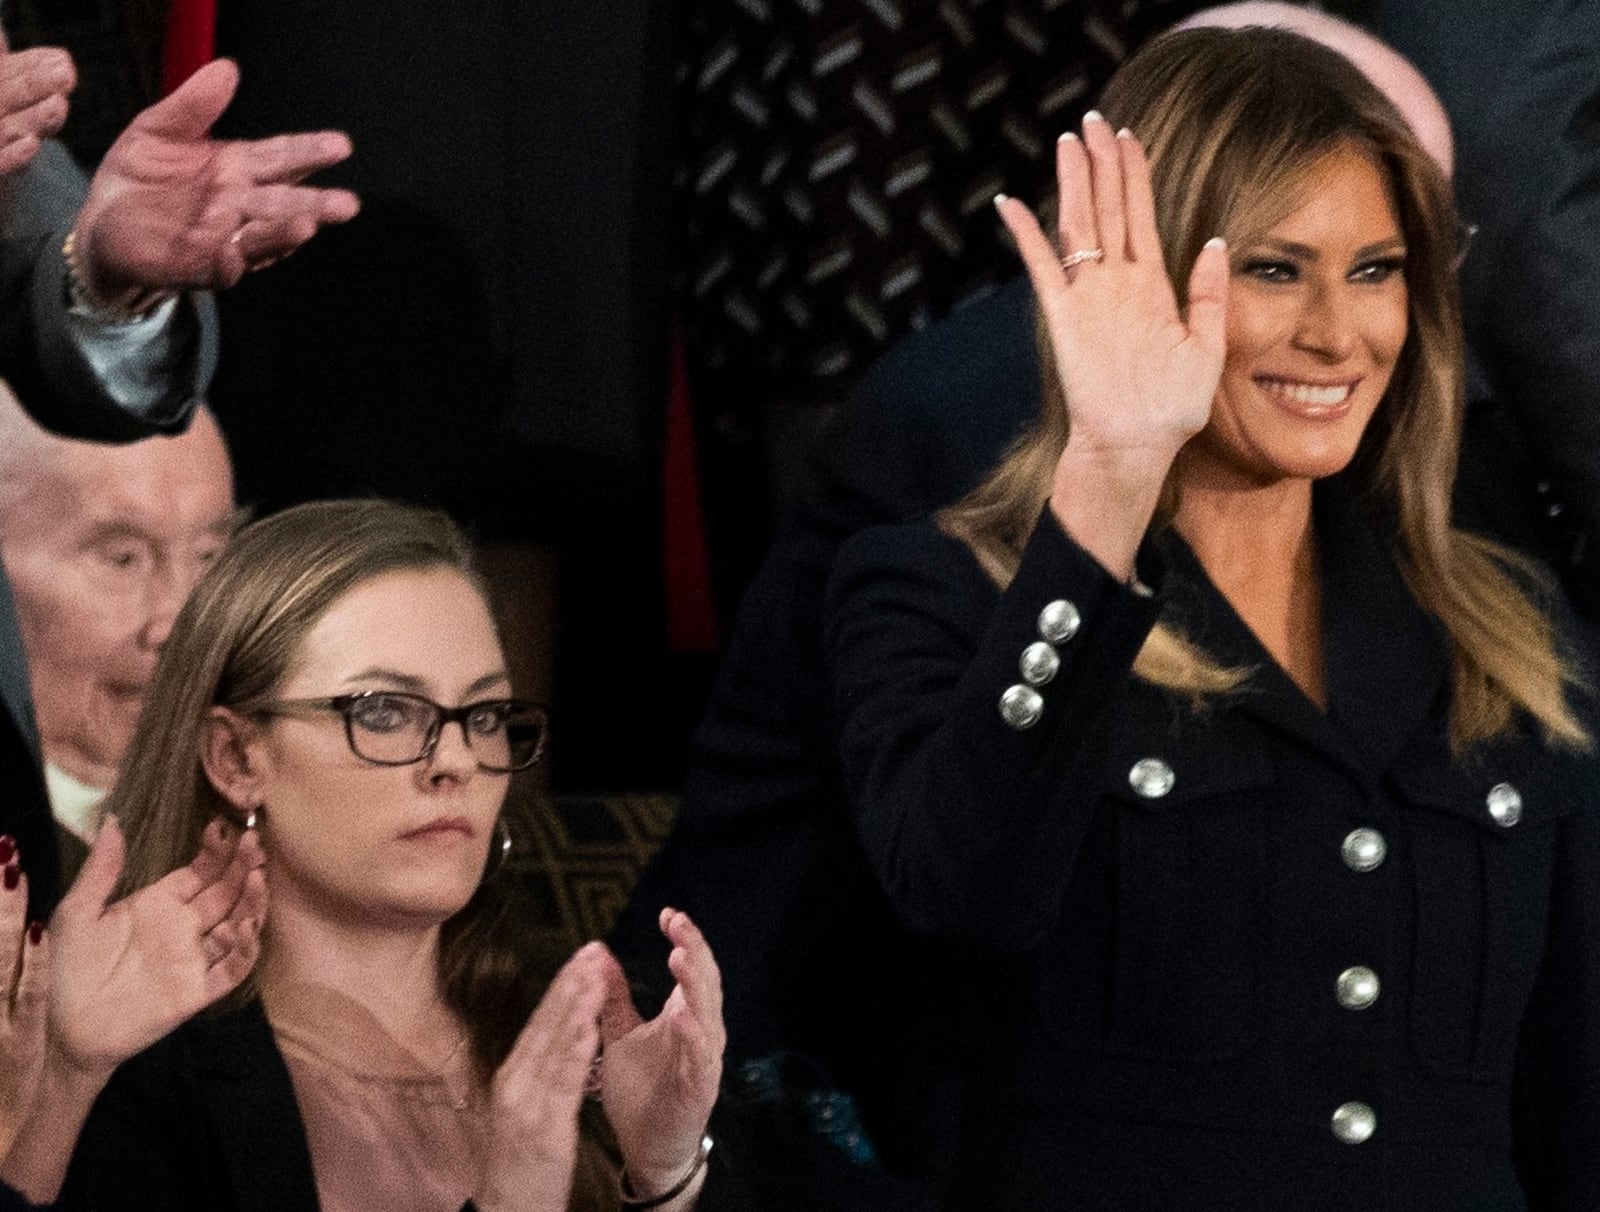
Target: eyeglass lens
x: 397, y: 729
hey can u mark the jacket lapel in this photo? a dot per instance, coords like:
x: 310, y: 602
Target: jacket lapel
x: 1384, y: 659
x: 246, y: 1094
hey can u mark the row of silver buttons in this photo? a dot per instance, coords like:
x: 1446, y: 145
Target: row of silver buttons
x: 1021, y: 705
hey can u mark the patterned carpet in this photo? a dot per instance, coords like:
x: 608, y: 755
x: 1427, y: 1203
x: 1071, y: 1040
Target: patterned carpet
x: 581, y: 855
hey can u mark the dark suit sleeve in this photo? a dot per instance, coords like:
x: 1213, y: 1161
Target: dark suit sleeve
x: 38, y: 352
x: 1529, y: 176
x: 1556, y: 1099
x: 971, y: 824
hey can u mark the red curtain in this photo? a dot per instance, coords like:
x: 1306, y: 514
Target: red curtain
x: 191, y: 41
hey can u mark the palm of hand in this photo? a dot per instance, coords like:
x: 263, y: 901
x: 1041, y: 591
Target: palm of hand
x: 655, y: 1088
x: 1133, y: 375
x: 160, y: 208
x: 136, y: 973
x: 1138, y: 377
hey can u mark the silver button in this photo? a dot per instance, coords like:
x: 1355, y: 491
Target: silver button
x: 1039, y: 663
x: 1354, y: 1123
x: 1021, y: 706
x: 1358, y: 988
x: 1151, y: 778
x: 1058, y: 622
x: 1363, y: 849
x: 1505, y: 804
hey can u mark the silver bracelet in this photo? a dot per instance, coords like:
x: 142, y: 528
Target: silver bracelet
x: 631, y: 1199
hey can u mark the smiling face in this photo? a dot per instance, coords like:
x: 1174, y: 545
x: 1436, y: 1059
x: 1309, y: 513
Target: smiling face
x: 1317, y: 316
x: 349, y: 841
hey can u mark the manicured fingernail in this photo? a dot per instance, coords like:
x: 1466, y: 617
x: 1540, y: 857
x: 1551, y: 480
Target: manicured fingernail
x: 8, y: 847
x: 1067, y: 137
x: 1216, y: 242
x: 35, y: 932
x: 998, y: 199
x: 1124, y: 133
x: 12, y: 876
x: 1094, y: 115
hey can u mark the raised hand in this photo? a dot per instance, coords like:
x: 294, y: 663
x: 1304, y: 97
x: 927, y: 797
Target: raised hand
x: 1138, y: 375
x: 24, y: 977
x: 536, y: 1093
x: 124, y: 975
x: 33, y: 100
x: 128, y: 973
x: 171, y: 207
x: 660, y: 1078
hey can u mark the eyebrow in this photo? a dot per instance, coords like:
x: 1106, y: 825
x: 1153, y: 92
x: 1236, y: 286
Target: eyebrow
x: 1305, y: 252
x: 103, y: 532
x: 416, y: 685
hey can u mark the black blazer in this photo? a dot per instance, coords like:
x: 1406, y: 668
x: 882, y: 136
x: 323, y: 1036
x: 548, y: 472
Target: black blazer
x: 1172, y: 903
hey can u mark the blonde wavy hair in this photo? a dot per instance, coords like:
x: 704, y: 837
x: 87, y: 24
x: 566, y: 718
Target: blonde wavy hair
x: 1233, y: 120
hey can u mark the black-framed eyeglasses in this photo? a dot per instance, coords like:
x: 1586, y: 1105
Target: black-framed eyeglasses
x: 393, y: 728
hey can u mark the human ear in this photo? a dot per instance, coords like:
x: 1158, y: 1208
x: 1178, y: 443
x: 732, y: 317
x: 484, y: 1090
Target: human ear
x: 231, y: 753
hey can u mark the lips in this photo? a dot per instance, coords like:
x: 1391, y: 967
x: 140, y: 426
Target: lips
x: 1304, y: 398
x: 442, y: 828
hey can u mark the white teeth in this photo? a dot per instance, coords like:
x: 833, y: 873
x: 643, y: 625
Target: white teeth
x: 1307, y: 394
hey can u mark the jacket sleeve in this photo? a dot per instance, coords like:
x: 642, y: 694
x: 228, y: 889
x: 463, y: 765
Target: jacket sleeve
x: 971, y: 822
x: 41, y: 354
x: 1556, y: 1095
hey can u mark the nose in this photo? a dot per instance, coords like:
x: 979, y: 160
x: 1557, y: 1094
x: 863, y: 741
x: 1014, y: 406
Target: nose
x: 1326, y: 325
x: 451, y: 757
x: 164, y: 598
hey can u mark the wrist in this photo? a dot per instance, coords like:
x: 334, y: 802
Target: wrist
x: 663, y: 1188
x: 109, y: 302
x: 70, y: 1077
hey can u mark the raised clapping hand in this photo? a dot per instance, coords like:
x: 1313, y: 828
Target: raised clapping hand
x: 536, y: 1092
x: 171, y: 207
x: 1138, y: 375
x: 123, y: 975
x: 660, y: 1077
x: 128, y: 973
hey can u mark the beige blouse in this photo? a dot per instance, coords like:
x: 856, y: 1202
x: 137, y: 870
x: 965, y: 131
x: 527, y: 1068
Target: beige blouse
x: 385, y: 1130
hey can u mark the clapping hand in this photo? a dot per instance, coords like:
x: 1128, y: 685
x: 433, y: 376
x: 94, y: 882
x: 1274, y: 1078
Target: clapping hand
x: 171, y: 207
x: 536, y: 1093
x: 128, y: 973
x: 660, y: 1078
x: 123, y: 975
x: 33, y: 101
x: 1138, y: 375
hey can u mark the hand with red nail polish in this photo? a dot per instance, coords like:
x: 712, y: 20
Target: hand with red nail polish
x: 129, y: 971
x: 24, y: 980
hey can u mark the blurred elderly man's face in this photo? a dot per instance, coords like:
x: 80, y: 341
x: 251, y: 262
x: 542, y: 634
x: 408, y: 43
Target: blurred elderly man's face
x: 102, y: 551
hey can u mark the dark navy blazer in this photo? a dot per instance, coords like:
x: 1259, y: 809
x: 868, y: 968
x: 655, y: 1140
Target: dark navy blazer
x: 1167, y: 907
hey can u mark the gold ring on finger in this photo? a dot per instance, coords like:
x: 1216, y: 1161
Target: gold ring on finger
x: 1083, y: 256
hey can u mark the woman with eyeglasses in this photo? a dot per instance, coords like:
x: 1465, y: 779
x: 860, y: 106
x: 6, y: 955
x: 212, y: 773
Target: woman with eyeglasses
x: 336, y: 688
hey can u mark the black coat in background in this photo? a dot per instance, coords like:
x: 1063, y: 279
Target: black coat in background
x: 1521, y: 81
x: 764, y: 855
x: 1166, y: 905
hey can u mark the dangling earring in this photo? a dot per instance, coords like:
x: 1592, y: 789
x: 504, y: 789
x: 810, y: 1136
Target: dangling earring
x: 499, y: 850
x: 251, y: 820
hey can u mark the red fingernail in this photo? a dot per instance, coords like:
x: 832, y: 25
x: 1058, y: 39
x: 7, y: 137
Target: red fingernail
x: 13, y: 874
x: 35, y: 932
x: 8, y: 847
